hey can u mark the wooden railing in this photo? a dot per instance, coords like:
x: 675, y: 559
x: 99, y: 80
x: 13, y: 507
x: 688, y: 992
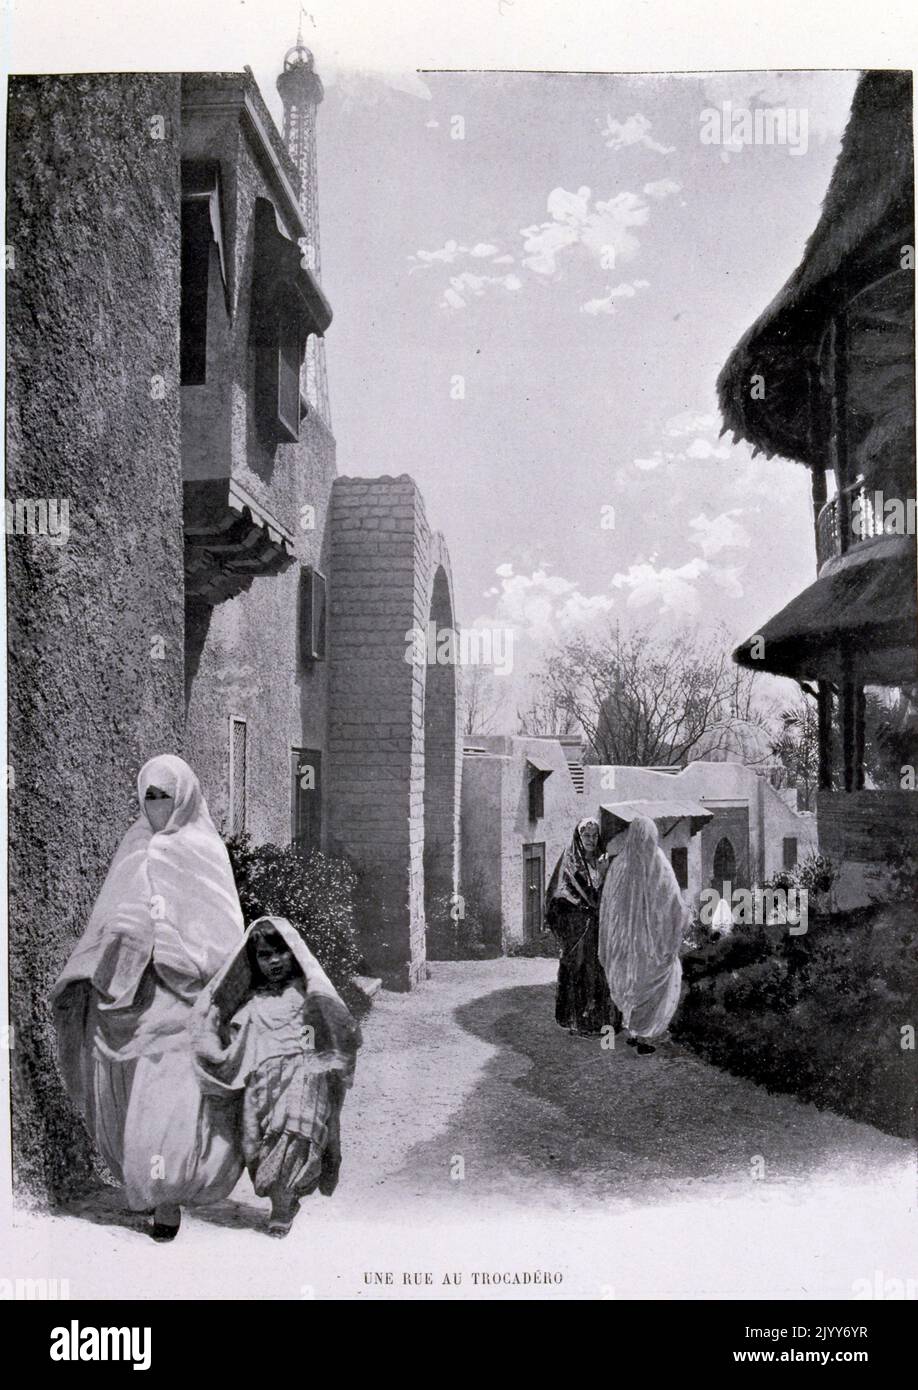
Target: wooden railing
x: 845, y: 520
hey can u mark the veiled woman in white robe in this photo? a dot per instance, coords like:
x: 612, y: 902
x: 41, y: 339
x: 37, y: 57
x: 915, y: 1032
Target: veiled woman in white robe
x: 166, y: 919
x: 642, y: 920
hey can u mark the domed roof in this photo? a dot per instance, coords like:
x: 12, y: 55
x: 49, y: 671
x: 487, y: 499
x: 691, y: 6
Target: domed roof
x: 740, y: 741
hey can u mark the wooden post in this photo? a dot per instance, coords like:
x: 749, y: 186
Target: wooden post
x: 838, y: 436
x: 860, y: 708
x: 824, y: 716
x: 849, y: 740
x: 818, y: 492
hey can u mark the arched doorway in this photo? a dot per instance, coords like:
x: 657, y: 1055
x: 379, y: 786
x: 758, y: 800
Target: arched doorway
x: 440, y: 764
x: 724, y: 870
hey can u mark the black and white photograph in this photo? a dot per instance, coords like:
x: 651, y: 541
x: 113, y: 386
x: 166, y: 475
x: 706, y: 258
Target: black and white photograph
x: 461, y: 662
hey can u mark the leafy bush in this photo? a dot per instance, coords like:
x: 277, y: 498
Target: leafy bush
x: 816, y: 873
x: 819, y: 1015
x: 314, y: 892
x: 455, y: 930
x: 897, y: 876
x: 545, y: 945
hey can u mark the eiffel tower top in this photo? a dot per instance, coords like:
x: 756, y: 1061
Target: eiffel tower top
x: 299, y: 80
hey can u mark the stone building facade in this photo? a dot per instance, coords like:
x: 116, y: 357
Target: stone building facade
x: 753, y: 831
x: 221, y: 593
x: 520, y: 804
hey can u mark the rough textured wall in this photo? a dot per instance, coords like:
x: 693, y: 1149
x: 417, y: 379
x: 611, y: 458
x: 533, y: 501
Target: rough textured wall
x: 384, y: 560
x: 482, y: 847
x: 95, y: 624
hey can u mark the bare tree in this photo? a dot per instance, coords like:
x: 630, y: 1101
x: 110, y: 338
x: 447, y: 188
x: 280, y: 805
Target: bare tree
x: 646, y: 700
x: 483, y: 700
x: 546, y: 712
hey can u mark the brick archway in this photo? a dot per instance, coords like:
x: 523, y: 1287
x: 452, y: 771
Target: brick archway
x: 442, y: 762
x: 394, y: 760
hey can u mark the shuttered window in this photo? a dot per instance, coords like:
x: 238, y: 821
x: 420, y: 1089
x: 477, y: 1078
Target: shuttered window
x: 312, y: 615
x: 289, y: 356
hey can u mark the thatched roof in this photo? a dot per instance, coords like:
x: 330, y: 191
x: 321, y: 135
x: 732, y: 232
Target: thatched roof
x: 864, y: 609
x: 869, y: 202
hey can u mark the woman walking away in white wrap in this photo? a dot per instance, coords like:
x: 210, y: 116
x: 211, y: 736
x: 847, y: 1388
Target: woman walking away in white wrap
x: 642, y: 920
x: 165, y: 921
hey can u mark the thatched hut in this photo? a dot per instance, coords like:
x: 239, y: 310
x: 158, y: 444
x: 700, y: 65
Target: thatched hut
x: 825, y: 376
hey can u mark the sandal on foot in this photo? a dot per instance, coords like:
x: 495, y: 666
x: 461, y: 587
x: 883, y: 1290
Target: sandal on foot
x: 163, y: 1231
x: 280, y: 1223
x: 329, y: 1179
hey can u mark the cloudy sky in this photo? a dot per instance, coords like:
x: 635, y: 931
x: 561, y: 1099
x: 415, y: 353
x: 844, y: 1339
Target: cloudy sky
x: 569, y: 248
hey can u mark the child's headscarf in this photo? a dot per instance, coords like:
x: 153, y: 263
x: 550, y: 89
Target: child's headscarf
x: 337, y: 1035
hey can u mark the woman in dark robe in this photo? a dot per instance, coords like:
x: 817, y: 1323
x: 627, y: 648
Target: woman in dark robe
x: 583, y: 1004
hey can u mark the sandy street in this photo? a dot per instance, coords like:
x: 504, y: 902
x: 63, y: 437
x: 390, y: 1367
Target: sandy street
x: 480, y: 1140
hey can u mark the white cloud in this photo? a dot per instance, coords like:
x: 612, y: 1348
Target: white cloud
x: 727, y: 577
x: 825, y: 96
x: 634, y: 130
x: 483, y: 248
x: 467, y: 286
x: 546, y: 607
x: 606, y: 305
x: 646, y: 465
x: 719, y: 533
x: 504, y: 260
x: 675, y: 590
x: 704, y: 449
x: 670, y: 590
x: 604, y: 228
x: 691, y: 422
x: 447, y: 254
x: 662, y: 188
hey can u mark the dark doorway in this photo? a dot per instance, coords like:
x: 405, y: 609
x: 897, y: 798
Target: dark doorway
x: 306, y: 800
x: 533, y: 890
x: 724, y: 866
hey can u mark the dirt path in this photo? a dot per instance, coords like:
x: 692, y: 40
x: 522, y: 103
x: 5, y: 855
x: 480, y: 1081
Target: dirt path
x: 480, y: 1137
x: 474, y: 1068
